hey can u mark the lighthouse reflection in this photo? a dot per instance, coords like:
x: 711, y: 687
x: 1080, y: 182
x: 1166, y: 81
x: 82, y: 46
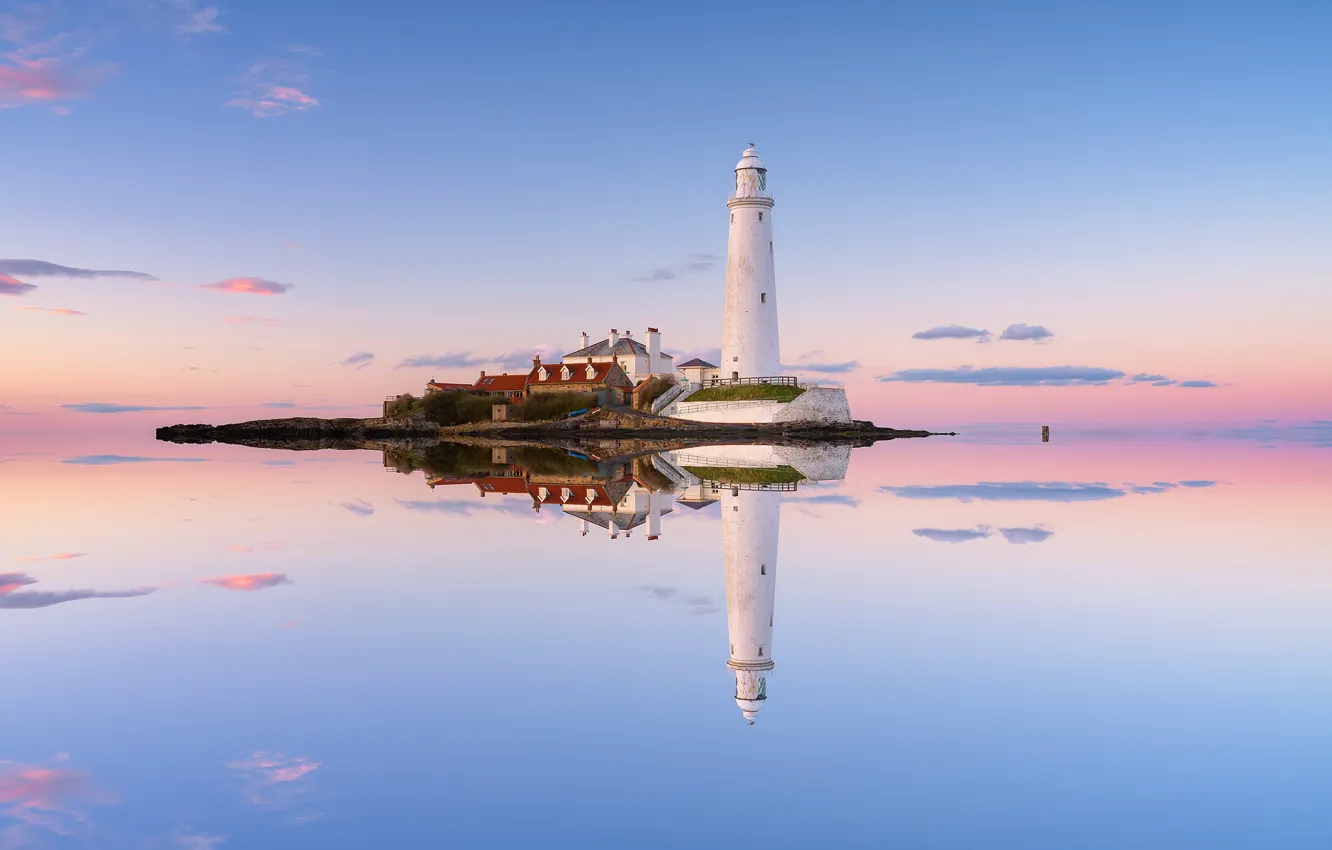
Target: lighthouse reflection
x: 620, y: 496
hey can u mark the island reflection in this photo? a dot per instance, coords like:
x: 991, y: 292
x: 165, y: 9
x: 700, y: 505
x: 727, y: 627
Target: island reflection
x: 626, y: 493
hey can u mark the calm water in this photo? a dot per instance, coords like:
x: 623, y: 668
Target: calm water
x: 1090, y: 644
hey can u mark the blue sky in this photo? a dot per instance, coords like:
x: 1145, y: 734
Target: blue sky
x: 1149, y: 183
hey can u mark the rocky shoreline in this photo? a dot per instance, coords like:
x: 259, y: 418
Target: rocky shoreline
x: 603, y: 425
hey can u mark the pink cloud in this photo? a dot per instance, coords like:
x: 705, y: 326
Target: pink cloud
x: 57, y: 311
x: 274, y: 87
x: 59, y: 556
x: 45, y: 73
x: 271, y: 101
x: 49, y: 798
x: 274, y: 781
x: 253, y: 581
x: 248, y: 285
x: 13, y: 286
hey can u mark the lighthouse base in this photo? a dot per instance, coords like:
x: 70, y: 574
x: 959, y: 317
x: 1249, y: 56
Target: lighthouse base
x: 815, y: 406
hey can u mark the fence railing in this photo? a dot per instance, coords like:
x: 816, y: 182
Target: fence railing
x: 779, y: 380
x: 665, y: 399
x: 687, y: 406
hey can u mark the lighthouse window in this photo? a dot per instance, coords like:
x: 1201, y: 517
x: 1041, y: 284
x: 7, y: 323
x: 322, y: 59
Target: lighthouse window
x: 763, y: 298
x: 760, y: 216
x: 763, y: 569
x: 732, y: 218
x: 760, y: 652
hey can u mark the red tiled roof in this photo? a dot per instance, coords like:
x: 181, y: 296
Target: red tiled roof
x: 577, y: 374
x: 502, y: 485
x: 500, y: 383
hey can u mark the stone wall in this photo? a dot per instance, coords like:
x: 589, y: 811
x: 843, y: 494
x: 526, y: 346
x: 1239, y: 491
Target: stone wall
x: 817, y: 406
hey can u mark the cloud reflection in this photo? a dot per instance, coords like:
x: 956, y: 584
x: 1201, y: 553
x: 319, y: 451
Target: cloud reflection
x: 250, y: 581
x: 11, y: 582
x: 276, y: 782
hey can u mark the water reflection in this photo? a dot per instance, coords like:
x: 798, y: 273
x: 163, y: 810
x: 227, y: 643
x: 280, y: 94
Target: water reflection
x: 621, y: 494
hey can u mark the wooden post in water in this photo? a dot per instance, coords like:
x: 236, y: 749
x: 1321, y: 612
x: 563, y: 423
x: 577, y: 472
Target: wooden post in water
x: 1045, y: 433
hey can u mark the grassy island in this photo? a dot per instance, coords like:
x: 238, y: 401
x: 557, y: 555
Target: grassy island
x: 747, y: 474
x: 747, y: 392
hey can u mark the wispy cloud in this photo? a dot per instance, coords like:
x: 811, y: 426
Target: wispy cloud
x: 11, y: 582
x: 193, y: 19
x: 1025, y: 491
x: 810, y: 362
x: 953, y: 535
x: 1196, y: 385
x: 359, y: 360
x: 451, y: 360
x: 693, y: 603
x: 56, y: 311
x: 360, y: 507
x: 274, y: 87
x: 1008, y: 376
x: 112, y: 460
x: 41, y: 268
x: 953, y: 332
x: 49, y: 73
x: 248, y: 286
x: 248, y: 582
x: 696, y: 263
x: 277, y: 782
x: 1021, y: 332
x: 47, y: 800
x: 840, y: 499
x: 1023, y: 536
x: 107, y: 407
x: 523, y: 359
x: 59, y: 556
x: 13, y: 286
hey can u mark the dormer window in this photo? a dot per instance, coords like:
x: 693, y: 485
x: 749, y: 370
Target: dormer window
x: 542, y: 374
x: 565, y: 374
x: 565, y: 494
x: 591, y: 372
x: 543, y: 493
x: 591, y: 495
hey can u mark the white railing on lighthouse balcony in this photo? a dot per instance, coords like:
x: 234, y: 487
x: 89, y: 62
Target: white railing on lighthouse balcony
x: 755, y: 193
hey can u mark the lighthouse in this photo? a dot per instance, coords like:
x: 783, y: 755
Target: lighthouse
x: 750, y: 347
x: 750, y: 521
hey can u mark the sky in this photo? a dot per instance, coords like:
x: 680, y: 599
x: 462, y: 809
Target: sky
x: 1017, y: 212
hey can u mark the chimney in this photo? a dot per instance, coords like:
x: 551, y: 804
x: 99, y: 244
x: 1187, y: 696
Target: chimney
x: 483, y: 373
x: 654, y: 516
x: 613, y: 338
x: 585, y: 340
x: 536, y: 361
x: 589, y: 359
x: 654, y: 352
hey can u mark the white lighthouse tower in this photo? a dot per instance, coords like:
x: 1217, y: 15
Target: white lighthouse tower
x: 750, y: 347
x: 750, y: 521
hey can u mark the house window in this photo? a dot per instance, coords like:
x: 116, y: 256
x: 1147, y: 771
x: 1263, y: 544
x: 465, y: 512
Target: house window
x: 760, y: 216
x: 763, y: 298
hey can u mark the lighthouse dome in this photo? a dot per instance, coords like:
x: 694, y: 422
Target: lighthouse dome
x: 749, y: 707
x: 750, y: 159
